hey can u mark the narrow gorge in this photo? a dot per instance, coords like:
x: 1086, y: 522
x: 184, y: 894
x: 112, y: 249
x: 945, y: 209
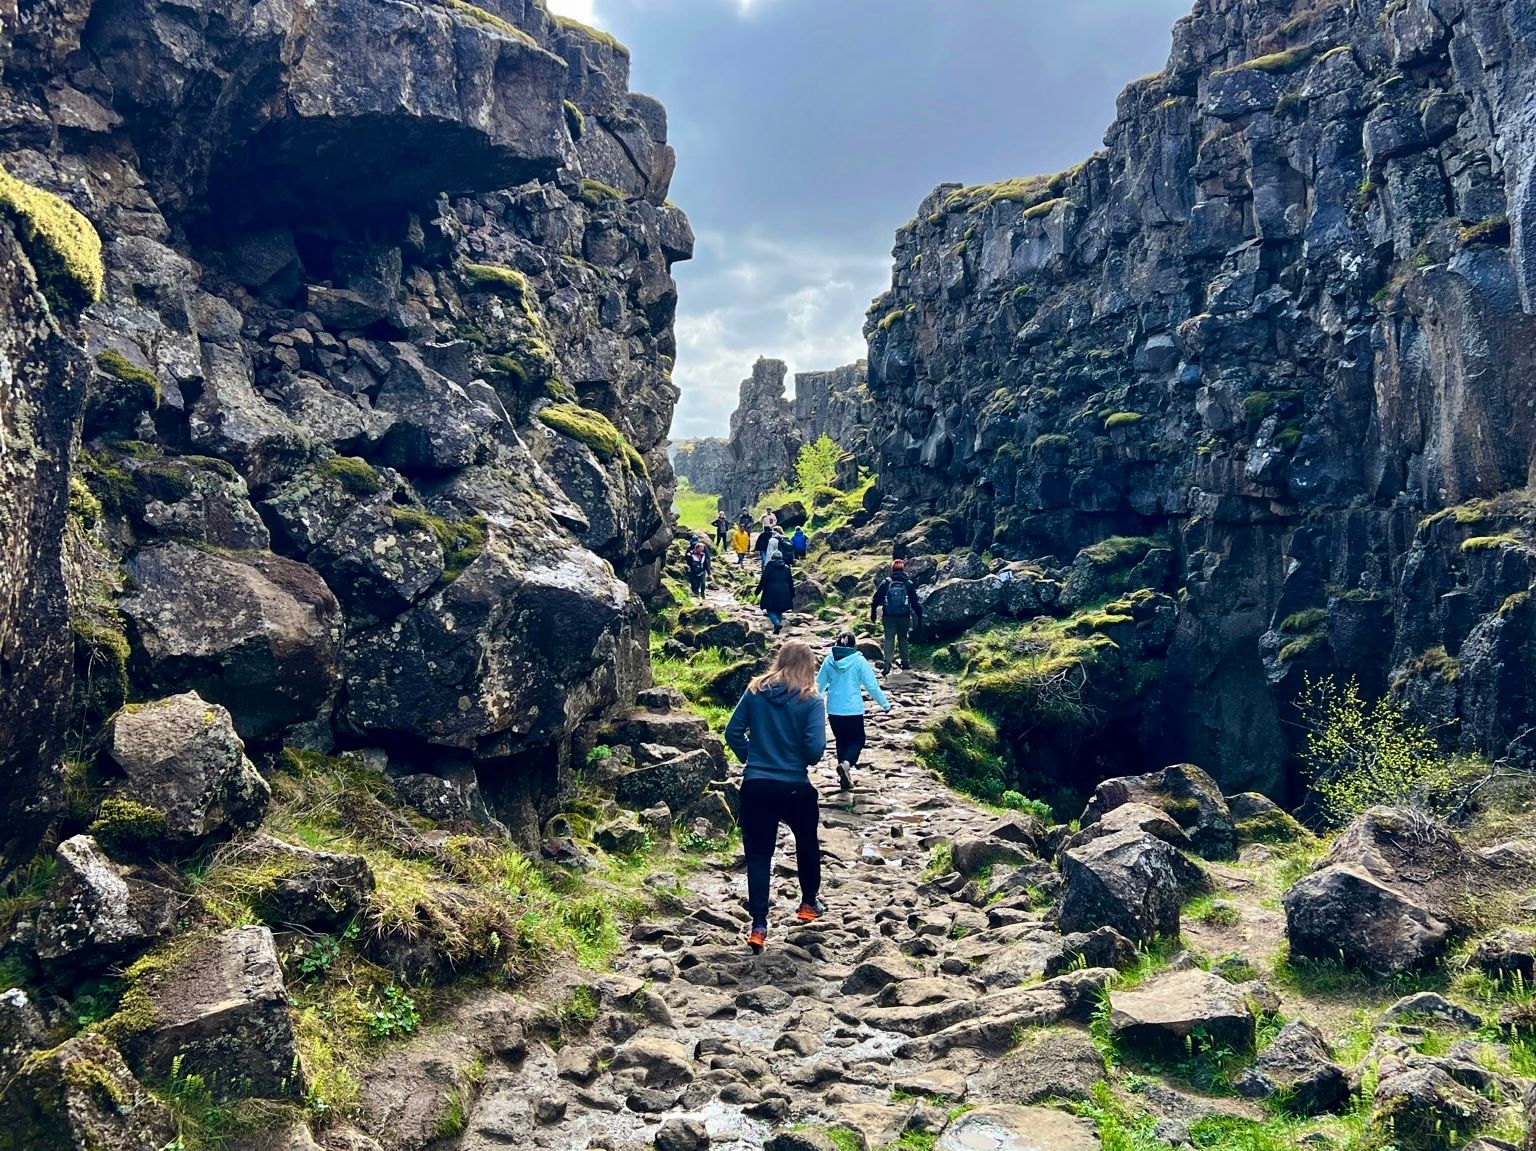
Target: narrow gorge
x: 362, y: 785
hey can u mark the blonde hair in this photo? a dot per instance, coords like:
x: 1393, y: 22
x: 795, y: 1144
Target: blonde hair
x: 794, y: 667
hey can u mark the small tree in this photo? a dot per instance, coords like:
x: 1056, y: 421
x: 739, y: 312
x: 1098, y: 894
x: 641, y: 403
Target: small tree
x: 816, y: 466
x: 1359, y: 754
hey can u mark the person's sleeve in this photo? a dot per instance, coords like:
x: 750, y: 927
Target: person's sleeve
x: 760, y: 580
x: 824, y: 675
x: 879, y: 598
x: 872, y: 685
x: 815, y: 731
x: 736, y: 729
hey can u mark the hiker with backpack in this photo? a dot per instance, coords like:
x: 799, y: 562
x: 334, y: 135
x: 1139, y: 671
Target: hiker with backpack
x: 776, y: 591
x: 844, y: 677
x: 898, y: 597
x: 764, y: 541
x: 800, y: 543
x: 698, y: 567
x: 778, y: 730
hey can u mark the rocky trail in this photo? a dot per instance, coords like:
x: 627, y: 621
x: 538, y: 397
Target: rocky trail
x: 878, y: 1019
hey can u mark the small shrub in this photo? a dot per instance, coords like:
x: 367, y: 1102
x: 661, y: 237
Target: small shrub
x: 1016, y: 801
x: 1357, y: 755
x: 393, y: 1014
x: 816, y: 465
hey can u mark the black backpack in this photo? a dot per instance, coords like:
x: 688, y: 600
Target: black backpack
x: 898, y: 598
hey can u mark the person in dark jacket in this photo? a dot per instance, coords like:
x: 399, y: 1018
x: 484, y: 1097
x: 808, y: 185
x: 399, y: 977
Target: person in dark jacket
x: 776, y: 591
x: 800, y: 543
x: 722, y: 528
x: 778, y: 730
x: 698, y: 568
x: 898, y: 596
x: 764, y: 541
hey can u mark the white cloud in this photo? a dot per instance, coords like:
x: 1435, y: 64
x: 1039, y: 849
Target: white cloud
x: 583, y: 10
x: 745, y: 297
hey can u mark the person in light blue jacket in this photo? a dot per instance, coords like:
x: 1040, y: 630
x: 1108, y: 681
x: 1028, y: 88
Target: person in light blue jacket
x: 844, y: 677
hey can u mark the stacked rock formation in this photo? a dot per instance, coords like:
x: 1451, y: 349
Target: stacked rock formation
x: 364, y: 315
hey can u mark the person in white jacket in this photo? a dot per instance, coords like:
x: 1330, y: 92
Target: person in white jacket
x: 844, y: 677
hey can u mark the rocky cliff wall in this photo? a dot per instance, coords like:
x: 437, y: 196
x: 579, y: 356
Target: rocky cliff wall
x: 837, y: 405
x: 374, y: 436
x: 1283, y: 319
x: 764, y: 438
x: 702, y: 462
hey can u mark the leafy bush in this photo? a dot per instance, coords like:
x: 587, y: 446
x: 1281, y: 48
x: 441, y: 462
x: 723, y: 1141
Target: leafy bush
x: 816, y: 466
x: 1015, y: 801
x: 1358, y: 754
x: 394, y: 1013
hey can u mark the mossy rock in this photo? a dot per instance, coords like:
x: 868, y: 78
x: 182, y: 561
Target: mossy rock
x: 125, y: 827
x: 595, y: 193
x: 355, y: 475
x: 593, y: 429
x: 119, y: 392
x: 728, y: 684
x: 101, y: 673
x: 62, y: 245
x: 575, y: 120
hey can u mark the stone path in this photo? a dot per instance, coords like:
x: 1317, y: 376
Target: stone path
x: 882, y: 1017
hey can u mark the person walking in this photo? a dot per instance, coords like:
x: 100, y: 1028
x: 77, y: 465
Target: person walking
x: 764, y: 539
x: 800, y: 542
x: 897, y: 595
x: 741, y: 544
x: 776, y: 591
x: 722, y: 529
x: 844, y: 677
x: 744, y: 518
x: 778, y: 730
x: 698, y: 568
x: 779, y: 546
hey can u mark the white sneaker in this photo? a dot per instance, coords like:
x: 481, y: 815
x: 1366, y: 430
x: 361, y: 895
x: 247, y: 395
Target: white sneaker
x: 844, y: 775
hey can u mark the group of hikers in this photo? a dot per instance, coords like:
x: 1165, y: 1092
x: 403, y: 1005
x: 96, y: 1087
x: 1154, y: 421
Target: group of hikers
x: 778, y: 729
x: 776, y: 584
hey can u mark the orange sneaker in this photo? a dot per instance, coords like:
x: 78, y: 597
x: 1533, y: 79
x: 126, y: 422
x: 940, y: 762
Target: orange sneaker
x: 811, y: 912
x: 757, y: 939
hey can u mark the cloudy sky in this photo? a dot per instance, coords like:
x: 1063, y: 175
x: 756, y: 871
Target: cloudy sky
x: 807, y: 131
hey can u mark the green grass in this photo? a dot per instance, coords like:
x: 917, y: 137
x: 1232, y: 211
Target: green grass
x: 692, y: 676
x: 489, y: 20
x: 694, y: 509
x: 607, y: 39
x: 1491, y: 543
x: 595, y: 193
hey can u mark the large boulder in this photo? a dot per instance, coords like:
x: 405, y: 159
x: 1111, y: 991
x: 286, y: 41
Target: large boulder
x: 1386, y: 898
x: 1419, y: 1107
x: 183, y: 764
x: 952, y: 605
x: 219, y: 1007
x: 96, y: 910
x: 1128, y: 881
x: 1187, y: 794
x: 80, y: 1096
x: 1182, y: 1009
x: 297, y: 886
x: 1298, y: 1067
x: 678, y: 782
x: 22, y: 1030
x: 254, y: 632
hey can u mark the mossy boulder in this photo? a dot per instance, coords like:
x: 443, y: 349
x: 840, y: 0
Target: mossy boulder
x: 184, y: 775
x: 62, y: 245
x: 96, y: 910
x: 81, y: 1096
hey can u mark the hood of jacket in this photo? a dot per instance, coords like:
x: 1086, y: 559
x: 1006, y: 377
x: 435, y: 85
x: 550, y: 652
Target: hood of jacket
x: 842, y: 657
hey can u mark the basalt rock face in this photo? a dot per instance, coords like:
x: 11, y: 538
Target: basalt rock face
x: 837, y: 405
x: 765, y: 439
x: 1284, y: 318
x: 374, y: 430
x: 704, y: 463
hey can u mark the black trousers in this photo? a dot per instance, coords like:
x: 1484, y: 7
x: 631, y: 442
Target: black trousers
x: 766, y: 803
x: 848, y: 731
x: 696, y: 582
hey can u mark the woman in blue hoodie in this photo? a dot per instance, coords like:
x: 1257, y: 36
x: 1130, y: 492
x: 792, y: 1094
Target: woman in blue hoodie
x: 844, y: 677
x: 778, y: 730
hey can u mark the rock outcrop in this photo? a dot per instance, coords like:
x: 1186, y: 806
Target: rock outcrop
x: 374, y: 366
x: 837, y: 405
x: 1281, y: 322
x: 765, y: 440
x: 704, y: 463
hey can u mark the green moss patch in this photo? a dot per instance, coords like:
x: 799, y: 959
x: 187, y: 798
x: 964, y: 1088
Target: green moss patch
x: 496, y: 278
x: 124, y: 825
x: 575, y: 120
x: 1122, y: 420
x: 593, y: 429
x: 595, y: 193
x: 1491, y: 543
x: 1490, y: 233
x: 355, y: 475
x: 607, y: 39
x: 964, y: 749
x: 138, y: 380
x: 489, y: 20
x: 62, y: 245
x: 1118, y: 551
x: 461, y: 540
x: 1274, y: 62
